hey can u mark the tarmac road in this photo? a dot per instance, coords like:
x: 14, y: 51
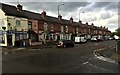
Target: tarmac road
x: 79, y: 59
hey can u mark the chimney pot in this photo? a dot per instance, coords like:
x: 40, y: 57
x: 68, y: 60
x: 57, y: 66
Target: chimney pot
x: 59, y: 17
x: 71, y: 20
x: 43, y: 14
x: 92, y: 24
x: 19, y: 7
x: 80, y: 22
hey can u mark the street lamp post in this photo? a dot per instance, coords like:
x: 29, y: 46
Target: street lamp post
x: 59, y: 8
x: 80, y: 12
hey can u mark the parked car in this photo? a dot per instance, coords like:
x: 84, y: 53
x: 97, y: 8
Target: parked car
x: 65, y: 43
x: 100, y: 39
x: 80, y: 40
x: 116, y: 37
x: 111, y: 38
x: 94, y: 39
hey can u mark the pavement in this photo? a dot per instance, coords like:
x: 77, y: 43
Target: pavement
x: 108, y: 54
x: 9, y: 50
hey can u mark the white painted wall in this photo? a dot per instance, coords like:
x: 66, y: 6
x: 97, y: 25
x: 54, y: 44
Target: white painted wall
x: 4, y: 20
x: 12, y: 21
x: 3, y: 23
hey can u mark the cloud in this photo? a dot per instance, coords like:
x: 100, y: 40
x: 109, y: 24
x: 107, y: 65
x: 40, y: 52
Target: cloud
x: 112, y: 26
x: 112, y: 6
x: 53, y: 6
x: 105, y: 15
x: 99, y: 13
x: 106, y: 5
x: 100, y: 4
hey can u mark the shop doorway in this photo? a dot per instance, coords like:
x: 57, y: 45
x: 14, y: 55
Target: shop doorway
x: 9, y: 40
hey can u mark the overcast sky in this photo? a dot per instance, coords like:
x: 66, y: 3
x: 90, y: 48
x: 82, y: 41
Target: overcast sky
x: 100, y: 13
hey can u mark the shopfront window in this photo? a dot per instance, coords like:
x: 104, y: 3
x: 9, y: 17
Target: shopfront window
x: 24, y: 36
x: 17, y: 37
x: 2, y: 38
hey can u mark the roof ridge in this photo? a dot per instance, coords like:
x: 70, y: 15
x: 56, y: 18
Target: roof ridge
x: 31, y: 12
x: 7, y: 4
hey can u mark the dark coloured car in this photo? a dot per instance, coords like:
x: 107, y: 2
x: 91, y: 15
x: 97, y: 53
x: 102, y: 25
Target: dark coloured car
x: 100, y: 39
x: 65, y: 43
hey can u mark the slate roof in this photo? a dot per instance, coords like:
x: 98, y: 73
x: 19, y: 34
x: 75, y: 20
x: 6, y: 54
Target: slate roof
x: 51, y: 19
x: 83, y: 25
x: 32, y: 15
x: 65, y: 21
x: 12, y: 11
x: 89, y: 26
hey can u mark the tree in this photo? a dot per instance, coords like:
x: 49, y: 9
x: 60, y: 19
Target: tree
x: 118, y: 41
x: 118, y: 32
x: 113, y: 33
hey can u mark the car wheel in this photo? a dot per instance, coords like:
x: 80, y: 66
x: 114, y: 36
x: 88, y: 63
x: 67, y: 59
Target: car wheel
x: 72, y: 45
x: 58, y: 46
x: 64, y: 46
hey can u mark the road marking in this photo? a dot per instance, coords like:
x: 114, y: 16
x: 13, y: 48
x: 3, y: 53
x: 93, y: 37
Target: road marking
x: 85, y: 63
x: 96, y: 54
x: 106, y: 59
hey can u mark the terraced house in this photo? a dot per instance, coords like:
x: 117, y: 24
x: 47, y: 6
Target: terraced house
x: 17, y: 24
x: 13, y: 25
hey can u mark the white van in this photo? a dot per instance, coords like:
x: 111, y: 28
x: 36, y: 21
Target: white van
x: 80, y: 40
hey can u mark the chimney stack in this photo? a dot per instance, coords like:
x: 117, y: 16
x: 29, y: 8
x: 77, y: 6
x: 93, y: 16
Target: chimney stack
x: 19, y: 7
x: 92, y: 24
x: 60, y: 18
x: 86, y: 23
x: 71, y: 20
x: 43, y: 14
x: 80, y: 22
x: 104, y: 27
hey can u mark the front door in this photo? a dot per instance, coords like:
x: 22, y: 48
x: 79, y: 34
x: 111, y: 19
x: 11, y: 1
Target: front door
x: 9, y: 40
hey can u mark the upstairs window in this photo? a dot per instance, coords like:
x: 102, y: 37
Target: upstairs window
x: 66, y: 28
x: 52, y: 28
x: 29, y: 25
x: 94, y: 31
x: 62, y: 29
x: 77, y: 30
x: 73, y: 30
x: 18, y: 23
x: 89, y: 31
x: 45, y: 27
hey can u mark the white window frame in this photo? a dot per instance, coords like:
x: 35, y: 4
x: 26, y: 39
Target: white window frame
x: 52, y: 27
x: 18, y: 23
x: 62, y: 29
x: 77, y: 30
x: 45, y: 26
x: 66, y: 27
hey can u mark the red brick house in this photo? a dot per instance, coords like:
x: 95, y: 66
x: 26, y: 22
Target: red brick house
x: 42, y: 27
